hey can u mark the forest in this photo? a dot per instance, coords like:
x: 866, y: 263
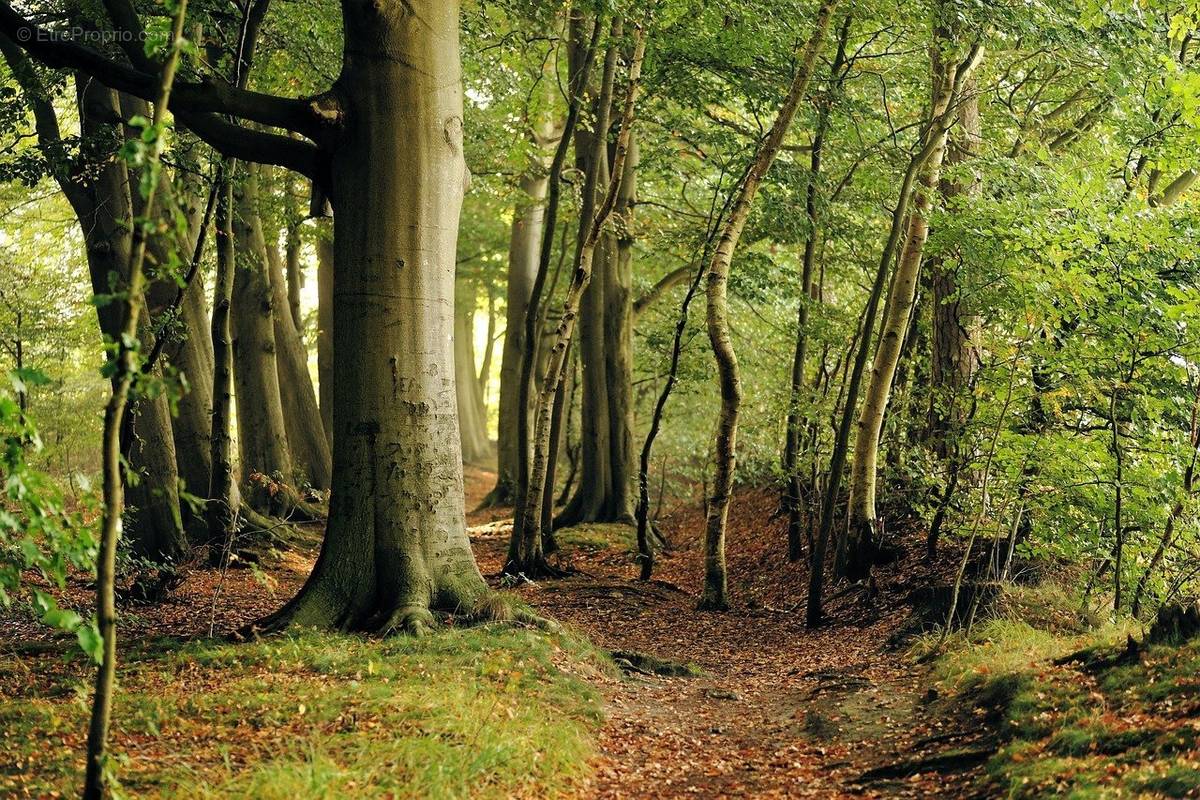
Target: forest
x: 597, y: 398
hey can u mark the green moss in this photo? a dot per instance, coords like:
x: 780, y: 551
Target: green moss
x: 483, y: 712
x: 1176, y: 781
x: 599, y: 536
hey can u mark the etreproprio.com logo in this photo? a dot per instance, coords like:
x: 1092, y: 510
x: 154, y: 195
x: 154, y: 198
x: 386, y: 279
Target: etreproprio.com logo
x: 78, y: 34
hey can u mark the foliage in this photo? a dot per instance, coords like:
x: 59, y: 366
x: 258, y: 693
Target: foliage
x: 41, y: 540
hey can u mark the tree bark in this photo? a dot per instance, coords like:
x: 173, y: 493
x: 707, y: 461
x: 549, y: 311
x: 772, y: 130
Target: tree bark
x: 223, y: 494
x: 104, y: 205
x: 396, y: 543
x: 953, y: 357
x: 794, y: 494
x: 301, y: 412
x: 266, y: 459
x: 325, y: 334
x: 948, y: 82
x: 581, y: 58
x: 130, y: 311
x: 716, y: 594
x: 530, y: 557
x: 472, y: 418
x: 606, y: 355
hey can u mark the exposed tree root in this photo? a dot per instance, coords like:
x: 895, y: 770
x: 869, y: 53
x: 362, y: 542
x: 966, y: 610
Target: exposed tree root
x: 490, y: 608
x: 645, y: 664
x: 501, y: 496
x: 409, y: 619
x: 941, y: 762
x: 539, y: 569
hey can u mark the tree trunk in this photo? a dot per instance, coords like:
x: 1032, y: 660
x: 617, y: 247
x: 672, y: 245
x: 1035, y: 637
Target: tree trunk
x: 222, y: 487
x: 262, y: 436
x: 472, y: 420
x: 716, y: 595
x: 606, y: 355
x: 580, y: 65
x: 295, y: 272
x: 130, y: 312
x: 794, y: 495
x: 104, y: 206
x: 948, y: 81
x: 325, y: 334
x: 396, y: 543
x: 523, y: 246
x: 953, y: 358
x: 301, y: 413
x: 527, y: 532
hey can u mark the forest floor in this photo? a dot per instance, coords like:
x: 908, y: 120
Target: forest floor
x: 773, y: 710
x: 767, y: 708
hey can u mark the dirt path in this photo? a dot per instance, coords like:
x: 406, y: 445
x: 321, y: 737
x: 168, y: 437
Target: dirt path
x: 777, y: 710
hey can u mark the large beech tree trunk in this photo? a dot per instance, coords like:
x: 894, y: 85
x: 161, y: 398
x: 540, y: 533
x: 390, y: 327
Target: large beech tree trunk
x: 948, y: 81
x: 715, y: 596
x: 605, y: 487
x: 396, y: 543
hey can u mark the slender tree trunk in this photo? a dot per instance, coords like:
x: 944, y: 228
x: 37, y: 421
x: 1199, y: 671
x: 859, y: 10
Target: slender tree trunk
x: 645, y: 555
x: 1118, y: 454
x: 580, y: 69
x: 325, y: 333
x: 591, y: 160
x: 222, y: 487
x: 557, y: 418
x: 489, y: 350
x: 295, y: 272
x: 716, y: 596
x: 948, y: 82
x: 522, y: 269
x: 794, y: 497
x: 131, y: 311
x: 850, y: 390
x: 396, y: 544
x: 476, y: 447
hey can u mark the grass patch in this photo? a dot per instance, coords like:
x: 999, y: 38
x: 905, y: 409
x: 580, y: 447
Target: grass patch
x: 492, y: 711
x: 1102, y: 724
x: 598, y: 536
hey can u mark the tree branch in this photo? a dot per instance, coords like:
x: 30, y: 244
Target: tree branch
x: 53, y: 49
x: 668, y: 281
